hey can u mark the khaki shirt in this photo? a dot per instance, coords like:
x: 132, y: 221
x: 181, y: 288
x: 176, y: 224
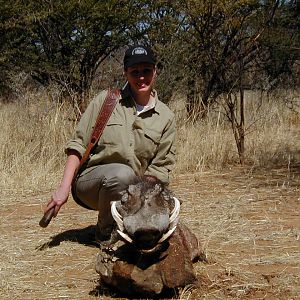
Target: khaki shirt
x: 145, y: 142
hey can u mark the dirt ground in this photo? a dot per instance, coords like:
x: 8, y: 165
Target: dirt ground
x: 248, y: 222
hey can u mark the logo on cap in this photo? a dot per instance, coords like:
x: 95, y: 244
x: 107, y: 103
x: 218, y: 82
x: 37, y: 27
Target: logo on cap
x: 139, y: 51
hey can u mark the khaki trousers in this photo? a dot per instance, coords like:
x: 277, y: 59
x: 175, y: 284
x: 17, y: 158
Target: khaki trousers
x: 97, y: 186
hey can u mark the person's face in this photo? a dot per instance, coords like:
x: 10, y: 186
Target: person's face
x: 141, y: 77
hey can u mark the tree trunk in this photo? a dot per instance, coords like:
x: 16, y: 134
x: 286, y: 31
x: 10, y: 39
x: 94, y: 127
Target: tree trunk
x: 237, y: 122
x: 195, y: 106
x: 241, y: 128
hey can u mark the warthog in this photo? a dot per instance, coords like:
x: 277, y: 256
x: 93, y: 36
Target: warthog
x: 156, y: 252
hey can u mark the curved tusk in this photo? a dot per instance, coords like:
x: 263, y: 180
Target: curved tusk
x: 125, y: 236
x: 117, y: 217
x: 174, y: 218
x: 175, y: 211
x: 167, y: 235
x: 119, y: 220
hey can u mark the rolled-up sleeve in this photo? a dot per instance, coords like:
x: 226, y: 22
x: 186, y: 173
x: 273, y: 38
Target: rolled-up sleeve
x: 164, y: 160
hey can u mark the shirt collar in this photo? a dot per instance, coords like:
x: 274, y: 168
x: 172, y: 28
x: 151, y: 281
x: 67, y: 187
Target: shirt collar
x: 126, y: 94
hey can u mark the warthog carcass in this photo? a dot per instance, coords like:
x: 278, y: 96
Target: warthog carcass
x: 157, y: 251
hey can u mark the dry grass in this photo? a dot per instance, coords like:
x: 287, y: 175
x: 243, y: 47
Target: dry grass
x: 248, y: 219
x: 209, y: 143
x: 250, y: 229
x: 32, y: 138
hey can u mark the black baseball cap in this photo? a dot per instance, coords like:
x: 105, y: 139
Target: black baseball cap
x: 138, y: 54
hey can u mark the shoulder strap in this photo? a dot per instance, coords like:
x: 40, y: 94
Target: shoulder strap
x: 106, y: 110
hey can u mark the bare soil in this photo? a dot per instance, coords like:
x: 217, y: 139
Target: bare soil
x: 248, y: 222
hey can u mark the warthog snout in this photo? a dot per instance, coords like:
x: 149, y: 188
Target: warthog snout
x: 147, y: 238
x: 147, y: 214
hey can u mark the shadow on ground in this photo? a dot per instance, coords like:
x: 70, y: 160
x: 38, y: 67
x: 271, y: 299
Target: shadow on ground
x: 104, y: 290
x: 84, y: 236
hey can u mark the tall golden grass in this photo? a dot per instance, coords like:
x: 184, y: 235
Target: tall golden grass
x: 271, y: 135
x: 35, y: 128
x: 33, y: 133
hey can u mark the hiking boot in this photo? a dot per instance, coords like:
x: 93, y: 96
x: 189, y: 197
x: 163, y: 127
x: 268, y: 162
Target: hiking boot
x: 103, y: 235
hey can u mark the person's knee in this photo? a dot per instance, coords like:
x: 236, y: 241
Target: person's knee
x: 119, y: 177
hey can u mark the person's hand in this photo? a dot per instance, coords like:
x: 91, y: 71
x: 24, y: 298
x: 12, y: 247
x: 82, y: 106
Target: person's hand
x: 58, y: 199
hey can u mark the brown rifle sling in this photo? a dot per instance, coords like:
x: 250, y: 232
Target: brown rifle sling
x: 102, y: 119
x: 106, y: 110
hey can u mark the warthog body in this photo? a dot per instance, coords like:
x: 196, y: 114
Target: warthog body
x: 157, y: 252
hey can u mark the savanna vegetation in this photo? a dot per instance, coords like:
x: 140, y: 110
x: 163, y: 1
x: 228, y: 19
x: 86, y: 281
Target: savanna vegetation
x: 209, y: 51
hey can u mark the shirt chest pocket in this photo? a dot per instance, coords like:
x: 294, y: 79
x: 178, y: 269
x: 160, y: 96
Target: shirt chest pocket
x: 147, y: 144
x: 112, y: 134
